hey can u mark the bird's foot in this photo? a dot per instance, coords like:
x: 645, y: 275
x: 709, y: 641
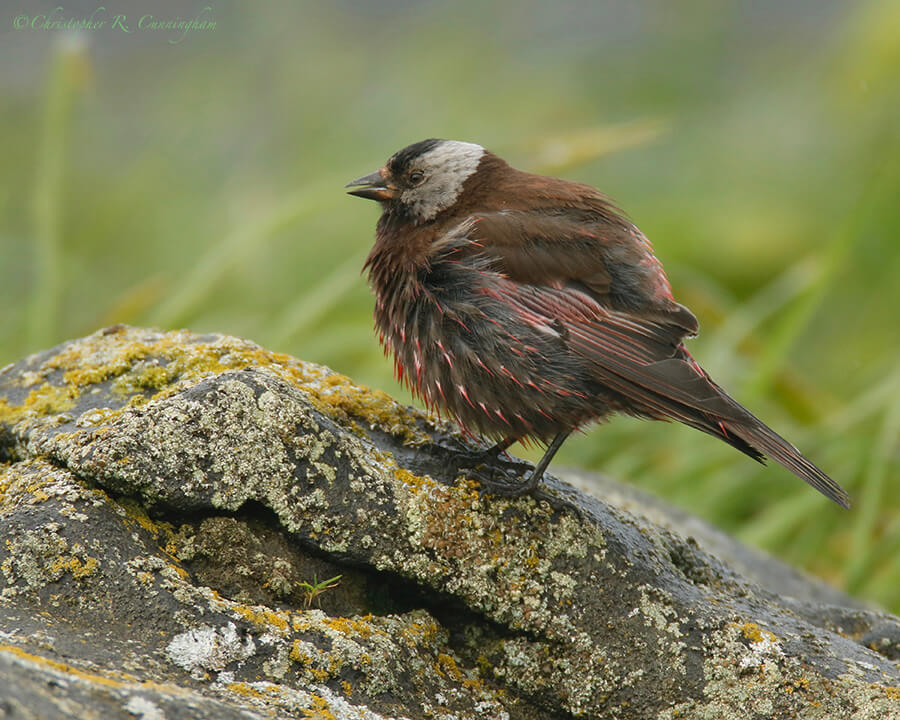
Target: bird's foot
x: 508, y: 482
x: 506, y: 478
x: 498, y: 474
x: 495, y: 471
x: 467, y: 459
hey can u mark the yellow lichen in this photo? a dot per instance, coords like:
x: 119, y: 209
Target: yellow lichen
x: 446, y: 666
x: 319, y: 674
x: 88, y: 567
x: 263, y: 617
x: 485, y: 668
x: 69, y: 563
x: 141, y: 363
x: 139, y: 515
x: 148, y: 378
x: 8, y: 414
x: 411, y: 480
x: 351, y: 626
x: 754, y: 633
x: 242, y: 688
x: 375, y: 407
x: 421, y: 631
x: 5, y: 482
x: 69, y: 669
x: 300, y: 622
x: 50, y: 399
x: 36, y: 492
x: 319, y: 711
x: 180, y: 571
x: 297, y: 654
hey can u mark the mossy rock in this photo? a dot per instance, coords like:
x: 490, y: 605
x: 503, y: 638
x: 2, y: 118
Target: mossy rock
x: 167, y: 501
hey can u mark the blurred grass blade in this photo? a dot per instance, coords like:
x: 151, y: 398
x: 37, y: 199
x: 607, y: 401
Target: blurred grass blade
x: 882, y: 395
x: 768, y: 301
x: 774, y: 527
x: 222, y: 257
x: 794, y: 319
x: 882, y: 187
x: 312, y: 305
x: 884, y: 568
x: 561, y: 152
x: 67, y: 73
x: 864, y: 542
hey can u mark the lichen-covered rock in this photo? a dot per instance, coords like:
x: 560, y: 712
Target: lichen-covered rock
x: 194, y: 526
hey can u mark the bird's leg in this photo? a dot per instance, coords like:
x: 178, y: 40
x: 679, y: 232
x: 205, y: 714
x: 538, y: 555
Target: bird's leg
x: 538, y: 473
x: 531, y: 483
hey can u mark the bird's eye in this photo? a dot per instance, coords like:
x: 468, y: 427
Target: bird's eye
x: 416, y: 177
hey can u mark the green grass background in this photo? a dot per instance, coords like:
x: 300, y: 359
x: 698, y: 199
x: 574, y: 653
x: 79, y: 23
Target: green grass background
x: 198, y: 183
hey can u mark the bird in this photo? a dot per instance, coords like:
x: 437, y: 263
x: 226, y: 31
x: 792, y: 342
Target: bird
x: 526, y: 307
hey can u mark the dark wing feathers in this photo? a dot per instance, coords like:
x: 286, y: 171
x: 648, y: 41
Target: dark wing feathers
x: 539, y: 248
x: 555, y: 274
x: 601, y: 252
x: 641, y: 362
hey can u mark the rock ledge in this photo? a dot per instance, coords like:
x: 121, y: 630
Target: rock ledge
x: 168, y: 500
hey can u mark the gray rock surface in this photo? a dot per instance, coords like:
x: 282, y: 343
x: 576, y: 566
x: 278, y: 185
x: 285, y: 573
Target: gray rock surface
x: 168, y: 499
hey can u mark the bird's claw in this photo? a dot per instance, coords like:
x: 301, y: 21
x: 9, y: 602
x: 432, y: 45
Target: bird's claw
x: 496, y: 472
x: 506, y: 480
x: 487, y: 456
x: 509, y: 484
x: 507, y: 477
x: 486, y: 465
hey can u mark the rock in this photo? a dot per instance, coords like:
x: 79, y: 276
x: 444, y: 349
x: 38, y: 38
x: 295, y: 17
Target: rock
x: 173, y: 506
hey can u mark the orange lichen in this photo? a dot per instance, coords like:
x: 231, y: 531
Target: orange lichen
x: 263, y: 617
x: 754, y: 633
x: 446, y: 666
x: 360, y: 627
x: 319, y: 711
x: 71, y: 669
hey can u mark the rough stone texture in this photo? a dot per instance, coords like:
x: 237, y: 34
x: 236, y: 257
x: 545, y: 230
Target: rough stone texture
x: 167, y: 498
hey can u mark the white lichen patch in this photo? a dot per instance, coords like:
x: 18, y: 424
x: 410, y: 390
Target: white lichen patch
x: 766, y: 649
x: 579, y: 677
x: 662, y: 617
x: 143, y: 708
x: 92, y: 418
x: 209, y: 648
x: 657, y: 614
x: 563, y: 585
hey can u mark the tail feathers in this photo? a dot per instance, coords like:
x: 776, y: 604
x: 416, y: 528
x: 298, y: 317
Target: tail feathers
x: 762, y: 439
x: 680, y: 389
x: 744, y: 431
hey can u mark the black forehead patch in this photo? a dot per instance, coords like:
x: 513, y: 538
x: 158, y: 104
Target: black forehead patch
x: 400, y: 161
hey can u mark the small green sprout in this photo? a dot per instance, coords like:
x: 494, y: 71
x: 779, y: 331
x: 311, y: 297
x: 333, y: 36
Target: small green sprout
x: 313, y: 591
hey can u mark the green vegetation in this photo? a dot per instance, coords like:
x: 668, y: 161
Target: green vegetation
x: 199, y: 184
x: 312, y: 591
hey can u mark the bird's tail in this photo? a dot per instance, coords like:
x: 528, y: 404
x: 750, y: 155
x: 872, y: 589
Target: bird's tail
x: 681, y: 390
x: 759, y: 441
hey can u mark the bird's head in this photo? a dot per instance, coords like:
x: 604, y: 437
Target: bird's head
x: 423, y: 179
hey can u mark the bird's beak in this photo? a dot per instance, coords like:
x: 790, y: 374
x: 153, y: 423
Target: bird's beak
x: 374, y: 187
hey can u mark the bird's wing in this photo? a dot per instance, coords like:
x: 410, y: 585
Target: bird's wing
x: 645, y: 362
x: 590, y: 273
x: 642, y: 358
x: 591, y: 247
